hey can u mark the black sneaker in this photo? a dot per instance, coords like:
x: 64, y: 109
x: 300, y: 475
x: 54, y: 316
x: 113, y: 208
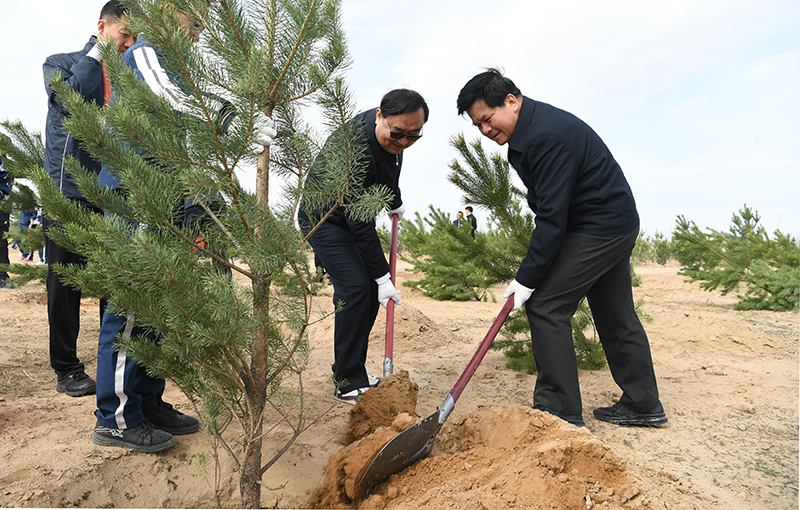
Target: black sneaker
x: 76, y: 385
x: 622, y: 415
x: 143, y: 438
x: 168, y: 419
x: 5, y: 284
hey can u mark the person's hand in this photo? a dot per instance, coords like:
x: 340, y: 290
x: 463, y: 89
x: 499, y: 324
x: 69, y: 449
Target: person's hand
x: 521, y: 294
x: 265, y: 132
x: 400, y: 211
x: 3, y: 197
x: 386, y: 291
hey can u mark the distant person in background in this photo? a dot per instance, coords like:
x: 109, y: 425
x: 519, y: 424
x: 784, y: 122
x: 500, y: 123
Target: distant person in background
x: 459, y: 219
x: 82, y: 71
x: 26, y: 221
x: 5, y: 218
x: 472, y: 220
x: 586, y: 228
x: 42, y: 251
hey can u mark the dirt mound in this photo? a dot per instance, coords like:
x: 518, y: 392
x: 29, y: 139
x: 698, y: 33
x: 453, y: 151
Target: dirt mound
x: 413, y: 331
x: 345, y: 469
x: 510, y: 456
x: 379, y: 407
x: 506, y: 456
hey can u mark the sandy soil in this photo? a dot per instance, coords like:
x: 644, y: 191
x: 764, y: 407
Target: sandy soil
x: 728, y: 381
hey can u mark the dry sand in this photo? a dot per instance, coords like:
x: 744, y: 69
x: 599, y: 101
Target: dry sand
x: 728, y: 381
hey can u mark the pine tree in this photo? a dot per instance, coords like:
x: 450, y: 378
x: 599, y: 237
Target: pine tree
x: 437, y: 249
x: 22, y: 150
x: 236, y: 345
x: 769, y: 268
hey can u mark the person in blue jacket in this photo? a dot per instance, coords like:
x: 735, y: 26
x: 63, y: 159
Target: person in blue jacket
x: 26, y: 219
x: 131, y: 412
x: 586, y: 225
x: 350, y: 251
x: 82, y: 71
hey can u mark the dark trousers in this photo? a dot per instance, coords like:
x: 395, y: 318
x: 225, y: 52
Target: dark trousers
x: 63, y: 309
x: 356, y: 293
x: 5, y: 217
x: 600, y: 270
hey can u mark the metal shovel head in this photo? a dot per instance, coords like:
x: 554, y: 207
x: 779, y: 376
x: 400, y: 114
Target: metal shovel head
x: 403, y: 450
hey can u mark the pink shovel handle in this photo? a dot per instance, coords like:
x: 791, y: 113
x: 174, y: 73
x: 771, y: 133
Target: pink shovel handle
x: 390, y: 305
x: 482, y: 349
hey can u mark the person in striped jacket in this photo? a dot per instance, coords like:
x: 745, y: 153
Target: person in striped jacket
x: 131, y: 412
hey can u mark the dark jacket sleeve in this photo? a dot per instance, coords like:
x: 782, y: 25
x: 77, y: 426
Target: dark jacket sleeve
x: 84, y: 76
x: 4, y: 187
x: 554, y: 170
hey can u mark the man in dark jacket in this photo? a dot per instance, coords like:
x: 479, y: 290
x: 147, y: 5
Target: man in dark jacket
x: 473, y: 222
x: 351, y: 251
x: 586, y: 227
x: 82, y: 71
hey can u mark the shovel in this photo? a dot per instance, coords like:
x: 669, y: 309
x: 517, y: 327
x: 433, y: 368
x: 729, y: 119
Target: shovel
x: 416, y: 441
x: 388, y: 364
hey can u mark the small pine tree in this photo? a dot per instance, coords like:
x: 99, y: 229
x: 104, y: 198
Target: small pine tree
x: 443, y: 253
x: 236, y: 345
x: 21, y: 150
x: 769, y: 268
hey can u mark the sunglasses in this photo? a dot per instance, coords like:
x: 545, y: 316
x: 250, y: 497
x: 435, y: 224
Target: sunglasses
x: 399, y: 135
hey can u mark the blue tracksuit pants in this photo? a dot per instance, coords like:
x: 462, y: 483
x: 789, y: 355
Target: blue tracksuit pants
x: 123, y: 386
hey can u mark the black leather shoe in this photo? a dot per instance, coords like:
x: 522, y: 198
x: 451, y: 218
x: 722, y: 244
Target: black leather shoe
x: 76, y: 385
x: 166, y: 418
x: 623, y: 415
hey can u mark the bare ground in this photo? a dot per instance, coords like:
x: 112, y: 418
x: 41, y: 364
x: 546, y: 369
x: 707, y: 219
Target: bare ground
x: 728, y: 381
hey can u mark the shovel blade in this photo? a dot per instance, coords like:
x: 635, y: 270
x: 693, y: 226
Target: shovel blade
x: 403, y: 450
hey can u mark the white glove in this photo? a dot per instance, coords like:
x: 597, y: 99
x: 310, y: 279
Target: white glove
x: 386, y: 291
x: 3, y: 197
x: 521, y: 294
x: 400, y: 211
x: 265, y: 132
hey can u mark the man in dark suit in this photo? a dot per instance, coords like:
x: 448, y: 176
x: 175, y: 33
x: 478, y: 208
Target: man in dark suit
x: 586, y: 227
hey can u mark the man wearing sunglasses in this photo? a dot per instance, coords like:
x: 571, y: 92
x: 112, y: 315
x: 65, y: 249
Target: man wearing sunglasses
x: 350, y: 250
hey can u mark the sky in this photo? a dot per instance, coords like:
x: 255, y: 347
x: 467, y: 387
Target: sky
x: 697, y: 100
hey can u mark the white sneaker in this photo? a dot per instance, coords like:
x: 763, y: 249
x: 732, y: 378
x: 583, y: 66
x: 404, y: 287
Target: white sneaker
x: 351, y: 397
x: 373, y: 380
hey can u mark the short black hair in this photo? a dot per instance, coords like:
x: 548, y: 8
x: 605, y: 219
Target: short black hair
x: 113, y: 9
x: 491, y: 86
x: 399, y: 101
x: 468, y: 208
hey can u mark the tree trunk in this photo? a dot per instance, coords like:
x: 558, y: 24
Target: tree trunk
x: 250, y: 480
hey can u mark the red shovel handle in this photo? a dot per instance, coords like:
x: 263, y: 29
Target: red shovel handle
x: 482, y: 349
x: 390, y: 305
x: 106, y: 87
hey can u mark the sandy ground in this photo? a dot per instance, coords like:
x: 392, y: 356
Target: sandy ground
x: 728, y: 382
